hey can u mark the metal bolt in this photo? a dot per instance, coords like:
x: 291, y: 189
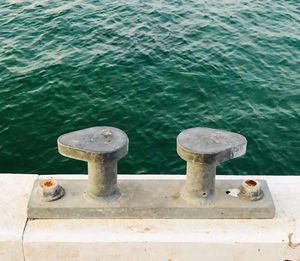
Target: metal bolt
x: 101, y: 147
x: 204, y: 149
x: 251, y: 190
x: 50, y: 190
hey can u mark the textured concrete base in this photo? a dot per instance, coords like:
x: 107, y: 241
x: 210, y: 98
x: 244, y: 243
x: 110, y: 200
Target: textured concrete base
x: 150, y: 199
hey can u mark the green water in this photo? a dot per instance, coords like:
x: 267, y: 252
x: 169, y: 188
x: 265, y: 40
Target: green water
x: 152, y: 69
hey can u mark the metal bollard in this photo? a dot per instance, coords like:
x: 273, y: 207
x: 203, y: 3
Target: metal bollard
x: 204, y: 149
x: 199, y: 196
x: 101, y: 147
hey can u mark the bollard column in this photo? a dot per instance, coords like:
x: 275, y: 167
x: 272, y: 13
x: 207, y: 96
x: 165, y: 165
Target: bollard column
x: 102, y: 178
x: 200, y: 181
x: 101, y: 147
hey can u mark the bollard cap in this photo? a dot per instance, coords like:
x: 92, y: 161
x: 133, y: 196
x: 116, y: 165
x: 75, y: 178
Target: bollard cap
x: 93, y: 144
x: 207, y: 145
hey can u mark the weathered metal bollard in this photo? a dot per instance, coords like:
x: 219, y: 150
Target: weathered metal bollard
x: 204, y: 149
x: 199, y: 196
x: 101, y: 147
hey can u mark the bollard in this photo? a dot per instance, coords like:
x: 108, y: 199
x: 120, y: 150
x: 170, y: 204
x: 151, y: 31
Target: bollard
x: 101, y: 147
x: 204, y: 149
x: 197, y: 196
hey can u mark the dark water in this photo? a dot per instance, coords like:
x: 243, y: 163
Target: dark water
x: 152, y: 69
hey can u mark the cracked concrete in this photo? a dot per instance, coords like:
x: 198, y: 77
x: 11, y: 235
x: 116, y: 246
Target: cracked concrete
x: 15, y: 191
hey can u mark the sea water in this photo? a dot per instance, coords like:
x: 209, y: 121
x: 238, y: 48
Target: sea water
x: 152, y: 69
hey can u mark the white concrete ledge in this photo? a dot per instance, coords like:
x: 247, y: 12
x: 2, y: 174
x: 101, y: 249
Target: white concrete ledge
x: 15, y: 190
x: 152, y: 239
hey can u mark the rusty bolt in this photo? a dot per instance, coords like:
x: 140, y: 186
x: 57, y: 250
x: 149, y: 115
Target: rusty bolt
x: 50, y: 190
x: 251, y: 190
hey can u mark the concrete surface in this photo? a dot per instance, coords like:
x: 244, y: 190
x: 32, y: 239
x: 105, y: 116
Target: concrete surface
x: 174, y: 240
x: 150, y: 239
x: 148, y: 199
x: 15, y: 191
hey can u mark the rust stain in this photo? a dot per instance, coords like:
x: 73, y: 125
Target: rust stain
x: 48, y: 183
x: 43, y: 224
x: 263, y: 227
x: 138, y: 229
x: 290, y: 244
x: 250, y: 182
x: 26, y: 195
x: 176, y: 196
x: 130, y: 227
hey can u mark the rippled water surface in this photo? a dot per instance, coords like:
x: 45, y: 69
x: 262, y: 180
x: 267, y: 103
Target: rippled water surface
x: 152, y: 69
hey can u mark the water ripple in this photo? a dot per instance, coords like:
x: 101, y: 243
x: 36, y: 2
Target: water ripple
x: 152, y: 69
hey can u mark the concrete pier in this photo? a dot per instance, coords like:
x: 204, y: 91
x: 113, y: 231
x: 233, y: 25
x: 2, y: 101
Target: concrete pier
x: 148, y: 239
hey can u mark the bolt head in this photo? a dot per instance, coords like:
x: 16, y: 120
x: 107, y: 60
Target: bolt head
x: 251, y: 190
x: 50, y: 190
